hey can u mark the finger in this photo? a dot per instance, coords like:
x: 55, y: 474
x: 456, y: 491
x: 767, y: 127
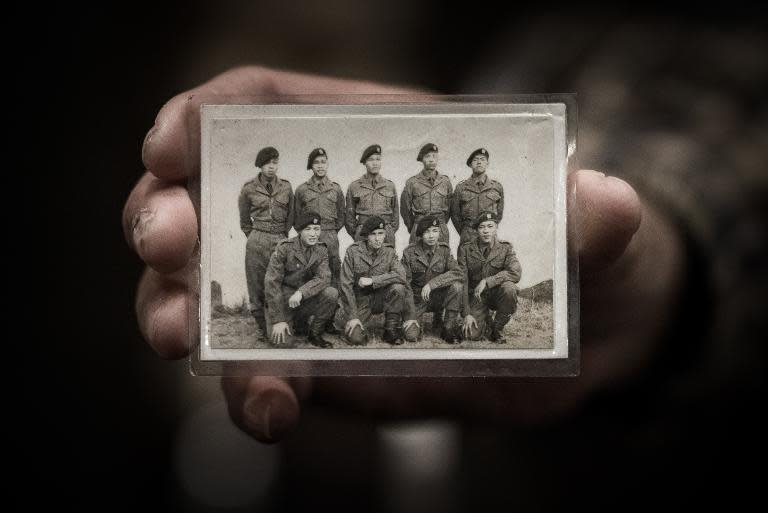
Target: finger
x: 163, y: 303
x: 170, y: 148
x: 160, y: 224
x: 606, y: 214
x: 631, y: 263
x: 265, y: 407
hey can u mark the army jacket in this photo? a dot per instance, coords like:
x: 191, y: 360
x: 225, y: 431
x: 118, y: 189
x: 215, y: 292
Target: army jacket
x: 295, y: 266
x: 260, y: 210
x: 501, y: 265
x: 439, y: 271
x: 384, y: 269
x: 423, y: 195
x: 370, y: 196
x: 474, y: 196
x: 323, y: 197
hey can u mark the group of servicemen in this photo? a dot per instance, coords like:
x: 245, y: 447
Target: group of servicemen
x: 302, y: 287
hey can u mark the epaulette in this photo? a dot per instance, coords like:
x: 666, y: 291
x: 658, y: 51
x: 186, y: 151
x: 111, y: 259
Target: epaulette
x: 284, y: 241
x: 441, y: 243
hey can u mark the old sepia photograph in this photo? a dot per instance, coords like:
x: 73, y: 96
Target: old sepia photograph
x: 432, y: 231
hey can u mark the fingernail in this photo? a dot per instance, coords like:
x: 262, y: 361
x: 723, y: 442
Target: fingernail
x: 147, y: 140
x: 140, y: 223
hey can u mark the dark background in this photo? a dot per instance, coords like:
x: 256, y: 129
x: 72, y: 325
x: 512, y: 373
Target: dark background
x: 101, y: 413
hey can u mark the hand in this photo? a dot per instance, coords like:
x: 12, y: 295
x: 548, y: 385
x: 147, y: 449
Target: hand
x: 469, y: 322
x: 630, y: 259
x: 280, y: 332
x: 480, y: 288
x: 425, y: 290
x: 365, y: 282
x: 295, y: 300
x: 351, y: 326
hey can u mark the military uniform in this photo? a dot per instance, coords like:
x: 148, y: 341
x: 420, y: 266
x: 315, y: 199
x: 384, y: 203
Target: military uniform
x: 473, y: 196
x: 266, y: 217
x: 293, y: 267
x: 499, y: 266
x: 426, y: 194
x: 388, y: 294
x: 436, y: 267
x: 326, y: 198
x: 372, y: 195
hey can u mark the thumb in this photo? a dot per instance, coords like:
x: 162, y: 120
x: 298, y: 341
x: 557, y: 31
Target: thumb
x: 606, y: 215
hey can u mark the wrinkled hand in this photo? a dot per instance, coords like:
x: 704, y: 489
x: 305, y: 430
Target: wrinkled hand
x: 469, y: 324
x: 295, y: 300
x: 280, y: 332
x: 425, y: 290
x: 351, y: 326
x: 480, y: 288
x: 630, y: 260
x: 365, y: 282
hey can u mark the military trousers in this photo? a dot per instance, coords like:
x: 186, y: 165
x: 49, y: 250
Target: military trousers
x: 258, y: 251
x: 389, y: 299
x: 322, y: 306
x: 502, y: 299
x: 445, y: 298
x: 468, y: 234
x: 331, y: 240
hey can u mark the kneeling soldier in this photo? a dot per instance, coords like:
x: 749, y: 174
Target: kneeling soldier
x: 434, y: 277
x: 373, y: 281
x: 491, y: 270
x: 298, y: 282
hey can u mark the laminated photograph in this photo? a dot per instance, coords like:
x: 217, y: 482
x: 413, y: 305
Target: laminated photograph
x: 387, y: 237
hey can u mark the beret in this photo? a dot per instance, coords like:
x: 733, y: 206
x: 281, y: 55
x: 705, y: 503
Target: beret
x: 425, y: 223
x: 317, y: 152
x: 306, y: 219
x: 265, y: 155
x: 427, y: 148
x: 370, y: 224
x: 373, y: 149
x: 479, y: 151
x: 485, y: 216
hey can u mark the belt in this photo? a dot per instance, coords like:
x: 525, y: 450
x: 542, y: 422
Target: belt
x: 386, y: 217
x: 268, y: 227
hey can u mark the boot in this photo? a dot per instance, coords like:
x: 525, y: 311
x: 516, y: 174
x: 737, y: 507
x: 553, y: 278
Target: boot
x: 437, y: 322
x: 496, y: 334
x: 315, y: 337
x: 392, y: 329
x: 449, y: 329
x: 261, y: 328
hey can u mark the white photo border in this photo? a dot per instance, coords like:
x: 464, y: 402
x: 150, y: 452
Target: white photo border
x: 560, y: 360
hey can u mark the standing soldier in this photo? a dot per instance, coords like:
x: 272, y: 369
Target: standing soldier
x: 373, y: 281
x: 434, y: 277
x: 372, y: 195
x: 427, y: 193
x: 476, y: 194
x: 298, y: 283
x: 491, y: 270
x: 321, y: 195
x: 266, y: 216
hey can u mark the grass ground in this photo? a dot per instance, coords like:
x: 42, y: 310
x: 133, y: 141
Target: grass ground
x: 530, y: 328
